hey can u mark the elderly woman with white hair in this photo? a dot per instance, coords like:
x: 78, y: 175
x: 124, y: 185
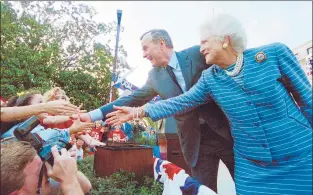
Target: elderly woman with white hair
x: 267, y: 99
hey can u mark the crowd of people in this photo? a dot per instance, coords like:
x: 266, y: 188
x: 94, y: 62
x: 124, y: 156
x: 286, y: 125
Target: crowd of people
x: 55, y: 113
x: 250, y: 108
x: 21, y: 166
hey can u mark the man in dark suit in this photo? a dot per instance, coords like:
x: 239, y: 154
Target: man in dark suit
x: 204, y: 134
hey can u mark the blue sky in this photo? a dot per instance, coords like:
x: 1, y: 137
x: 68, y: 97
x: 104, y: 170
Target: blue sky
x: 289, y: 22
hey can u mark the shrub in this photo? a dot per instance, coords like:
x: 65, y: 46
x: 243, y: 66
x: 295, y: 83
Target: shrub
x: 145, y: 140
x: 120, y: 183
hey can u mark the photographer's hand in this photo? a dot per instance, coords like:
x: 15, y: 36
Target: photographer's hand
x: 64, y: 170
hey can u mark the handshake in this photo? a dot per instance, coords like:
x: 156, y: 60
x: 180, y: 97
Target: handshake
x: 120, y: 116
x: 124, y: 114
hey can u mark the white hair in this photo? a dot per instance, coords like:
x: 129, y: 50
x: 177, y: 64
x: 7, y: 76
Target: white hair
x: 222, y: 25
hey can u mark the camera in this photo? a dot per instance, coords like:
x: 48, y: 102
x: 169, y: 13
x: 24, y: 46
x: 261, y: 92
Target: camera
x: 42, y: 140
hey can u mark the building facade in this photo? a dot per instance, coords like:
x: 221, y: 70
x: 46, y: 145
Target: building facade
x: 302, y: 51
x: 304, y: 55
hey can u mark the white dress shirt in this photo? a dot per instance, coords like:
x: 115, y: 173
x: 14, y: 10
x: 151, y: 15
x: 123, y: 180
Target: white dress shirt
x: 177, y: 71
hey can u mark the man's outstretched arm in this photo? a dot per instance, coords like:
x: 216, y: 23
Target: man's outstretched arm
x: 137, y: 98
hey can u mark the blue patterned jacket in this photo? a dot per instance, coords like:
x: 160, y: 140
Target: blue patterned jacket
x: 268, y: 122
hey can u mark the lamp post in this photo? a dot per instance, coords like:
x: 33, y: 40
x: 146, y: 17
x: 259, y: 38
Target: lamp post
x: 119, y: 17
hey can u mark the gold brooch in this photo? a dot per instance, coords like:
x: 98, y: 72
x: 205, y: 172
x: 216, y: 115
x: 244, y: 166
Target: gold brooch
x: 260, y: 57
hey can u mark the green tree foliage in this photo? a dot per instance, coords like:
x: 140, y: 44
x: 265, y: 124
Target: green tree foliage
x: 47, y: 44
x: 24, y: 59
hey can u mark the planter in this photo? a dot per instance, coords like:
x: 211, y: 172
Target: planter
x: 129, y: 157
x: 155, y: 149
x: 170, y: 150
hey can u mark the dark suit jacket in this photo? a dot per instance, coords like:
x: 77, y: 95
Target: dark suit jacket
x: 159, y: 82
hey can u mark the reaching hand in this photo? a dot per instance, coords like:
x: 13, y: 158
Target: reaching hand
x: 91, y: 142
x: 78, y: 126
x: 80, y: 108
x: 60, y: 107
x: 121, y: 115
x: 85, y: 117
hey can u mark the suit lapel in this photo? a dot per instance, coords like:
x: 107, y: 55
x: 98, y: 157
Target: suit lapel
x: 185, y: 64
x: 165, y: 79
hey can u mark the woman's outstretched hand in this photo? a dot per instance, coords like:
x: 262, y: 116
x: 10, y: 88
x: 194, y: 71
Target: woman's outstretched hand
x: 123, y: 114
